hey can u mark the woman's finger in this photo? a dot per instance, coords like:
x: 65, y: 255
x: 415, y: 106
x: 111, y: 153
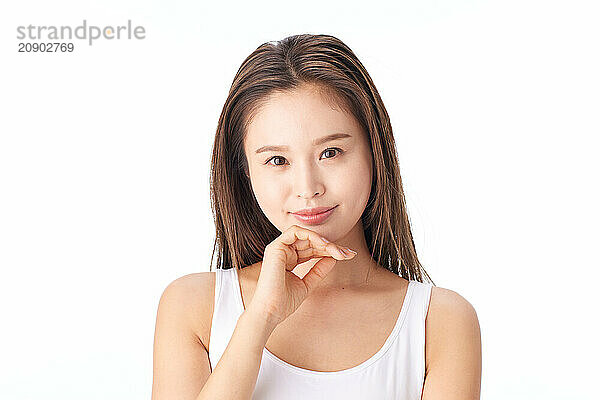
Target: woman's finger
x: 309, y: 244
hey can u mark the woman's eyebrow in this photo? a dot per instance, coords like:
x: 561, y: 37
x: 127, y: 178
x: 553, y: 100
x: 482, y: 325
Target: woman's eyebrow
x: 316, y: 142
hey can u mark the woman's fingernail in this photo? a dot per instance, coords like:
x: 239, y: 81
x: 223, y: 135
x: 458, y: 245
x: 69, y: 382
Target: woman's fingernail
x: 350, y: 250
x: 325, y: 240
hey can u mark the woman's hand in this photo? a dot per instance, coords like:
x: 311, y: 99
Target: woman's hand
x: 279, y: 292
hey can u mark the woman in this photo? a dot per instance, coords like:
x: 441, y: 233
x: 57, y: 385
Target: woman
x: 318, y: 292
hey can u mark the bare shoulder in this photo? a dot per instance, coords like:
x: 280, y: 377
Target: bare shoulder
x: 192, y: 296
x: 453, y: 342
x: 448, y: 306
x: 448, y: 310
x: 181, y: 363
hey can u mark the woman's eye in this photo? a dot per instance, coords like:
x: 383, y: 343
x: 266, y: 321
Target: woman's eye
x: 283, y: 158
x: 334, y: 148
x: 275, y: 158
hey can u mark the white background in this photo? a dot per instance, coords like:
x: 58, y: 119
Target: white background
x: 104, y: 166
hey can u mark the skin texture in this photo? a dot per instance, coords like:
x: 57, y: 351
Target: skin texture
x: 307, y: 175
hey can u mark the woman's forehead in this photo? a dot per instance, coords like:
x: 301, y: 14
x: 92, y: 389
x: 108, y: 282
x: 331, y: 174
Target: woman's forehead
x: 298, y: 115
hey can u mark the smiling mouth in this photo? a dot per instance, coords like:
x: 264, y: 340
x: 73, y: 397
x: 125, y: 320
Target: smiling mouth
x: 315, y: 219
x: 310, y: 214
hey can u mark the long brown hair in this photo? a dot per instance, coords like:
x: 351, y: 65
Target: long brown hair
x: 324, y: 62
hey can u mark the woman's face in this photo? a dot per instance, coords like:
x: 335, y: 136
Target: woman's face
x: 308, y: 169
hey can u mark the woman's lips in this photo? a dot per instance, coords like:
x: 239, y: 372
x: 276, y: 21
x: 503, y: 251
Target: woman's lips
x: 316, y: 218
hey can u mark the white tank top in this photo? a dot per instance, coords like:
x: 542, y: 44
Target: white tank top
x: 396, y: 371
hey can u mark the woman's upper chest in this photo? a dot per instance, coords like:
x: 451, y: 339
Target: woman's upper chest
x: 346, y: 341
x: 352, y: 328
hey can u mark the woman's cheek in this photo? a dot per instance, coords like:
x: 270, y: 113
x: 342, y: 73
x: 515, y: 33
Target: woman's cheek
x: 268, y: 194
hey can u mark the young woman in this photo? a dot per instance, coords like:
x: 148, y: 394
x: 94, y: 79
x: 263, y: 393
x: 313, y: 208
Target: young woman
x: 318, y: 291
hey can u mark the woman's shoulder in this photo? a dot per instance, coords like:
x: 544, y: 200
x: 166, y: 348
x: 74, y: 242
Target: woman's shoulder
x: 193, y: 298
x: 192, y: 288
x: 448, y: 302
x: 450, y: 319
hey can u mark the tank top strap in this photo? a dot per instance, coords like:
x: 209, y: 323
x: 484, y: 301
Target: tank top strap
x: 228, y: 307
x: 415, y: 334
x: 423, y: 297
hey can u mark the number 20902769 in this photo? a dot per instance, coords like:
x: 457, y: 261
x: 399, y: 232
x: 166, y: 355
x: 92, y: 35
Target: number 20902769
x: 43, y: 47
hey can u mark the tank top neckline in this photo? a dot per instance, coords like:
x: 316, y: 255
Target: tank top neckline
x: 380, y: 353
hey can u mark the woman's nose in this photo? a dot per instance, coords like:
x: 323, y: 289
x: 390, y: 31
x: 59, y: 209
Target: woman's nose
x: 308, y: 183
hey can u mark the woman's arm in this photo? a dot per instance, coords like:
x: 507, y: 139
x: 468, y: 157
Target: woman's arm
x: 453, y: 348
x: 181, y: 363
x: 235, y: 375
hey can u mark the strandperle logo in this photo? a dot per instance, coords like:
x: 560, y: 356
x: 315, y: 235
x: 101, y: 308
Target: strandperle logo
x: 83, y: 32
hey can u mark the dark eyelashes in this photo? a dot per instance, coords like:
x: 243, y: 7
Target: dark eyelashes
x: 340, y: 151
